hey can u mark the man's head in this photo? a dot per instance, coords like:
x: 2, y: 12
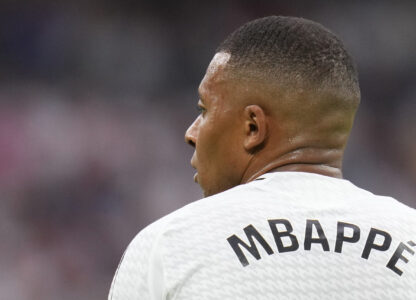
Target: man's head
x: 279, y: 94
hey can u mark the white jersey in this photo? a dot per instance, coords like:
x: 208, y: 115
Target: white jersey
x: 286, y: 235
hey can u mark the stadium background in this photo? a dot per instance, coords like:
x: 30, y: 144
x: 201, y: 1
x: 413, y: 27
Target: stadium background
x: 95, y: 97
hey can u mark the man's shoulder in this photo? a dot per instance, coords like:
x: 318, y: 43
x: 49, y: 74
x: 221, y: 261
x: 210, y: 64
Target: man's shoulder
x: 288, y: 194
x: 211, y: 212
x: 284, y: 191
x: 200, y: 209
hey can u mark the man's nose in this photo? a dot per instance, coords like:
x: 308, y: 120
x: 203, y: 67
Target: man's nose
x: 191, y: 133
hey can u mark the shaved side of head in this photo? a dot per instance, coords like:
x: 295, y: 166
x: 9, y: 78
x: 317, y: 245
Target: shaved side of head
x: 301, y: 74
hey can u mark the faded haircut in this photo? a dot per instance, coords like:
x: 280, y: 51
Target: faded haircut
x: 293, y: 52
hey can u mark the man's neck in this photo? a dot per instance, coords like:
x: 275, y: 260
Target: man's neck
x: 319, y: 161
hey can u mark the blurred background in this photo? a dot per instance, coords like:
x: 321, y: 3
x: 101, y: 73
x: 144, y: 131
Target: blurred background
x: 95, y: 97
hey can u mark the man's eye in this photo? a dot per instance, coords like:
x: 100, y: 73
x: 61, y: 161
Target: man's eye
x: 200, y: 109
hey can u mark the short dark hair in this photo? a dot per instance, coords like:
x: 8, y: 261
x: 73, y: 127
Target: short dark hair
x: 297, y: 50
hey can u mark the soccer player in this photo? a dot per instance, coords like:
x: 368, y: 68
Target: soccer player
x: 278, y: 222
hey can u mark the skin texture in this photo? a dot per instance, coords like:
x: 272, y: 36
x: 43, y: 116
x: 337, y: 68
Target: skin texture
x: 250, y: 127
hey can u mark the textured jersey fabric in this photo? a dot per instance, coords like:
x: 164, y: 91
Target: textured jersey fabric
x: 286, y: 235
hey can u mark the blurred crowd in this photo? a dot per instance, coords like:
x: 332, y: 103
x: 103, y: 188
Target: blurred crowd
x: 95, y: 97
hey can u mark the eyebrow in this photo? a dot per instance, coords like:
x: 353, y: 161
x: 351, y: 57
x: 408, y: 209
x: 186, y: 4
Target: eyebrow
x: 203, y: 95
x: 200, y: 97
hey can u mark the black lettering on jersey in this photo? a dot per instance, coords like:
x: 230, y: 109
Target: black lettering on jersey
x: 346, y: 233
x: 341, y: 238
x: 308, y: 235
x: 278, y: 235
x: 398, y: 254
x: 236, y: 242
x: 371, y: 245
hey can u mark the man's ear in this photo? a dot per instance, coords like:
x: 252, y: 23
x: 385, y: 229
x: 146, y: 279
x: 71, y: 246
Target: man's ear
x: 255, y: 127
